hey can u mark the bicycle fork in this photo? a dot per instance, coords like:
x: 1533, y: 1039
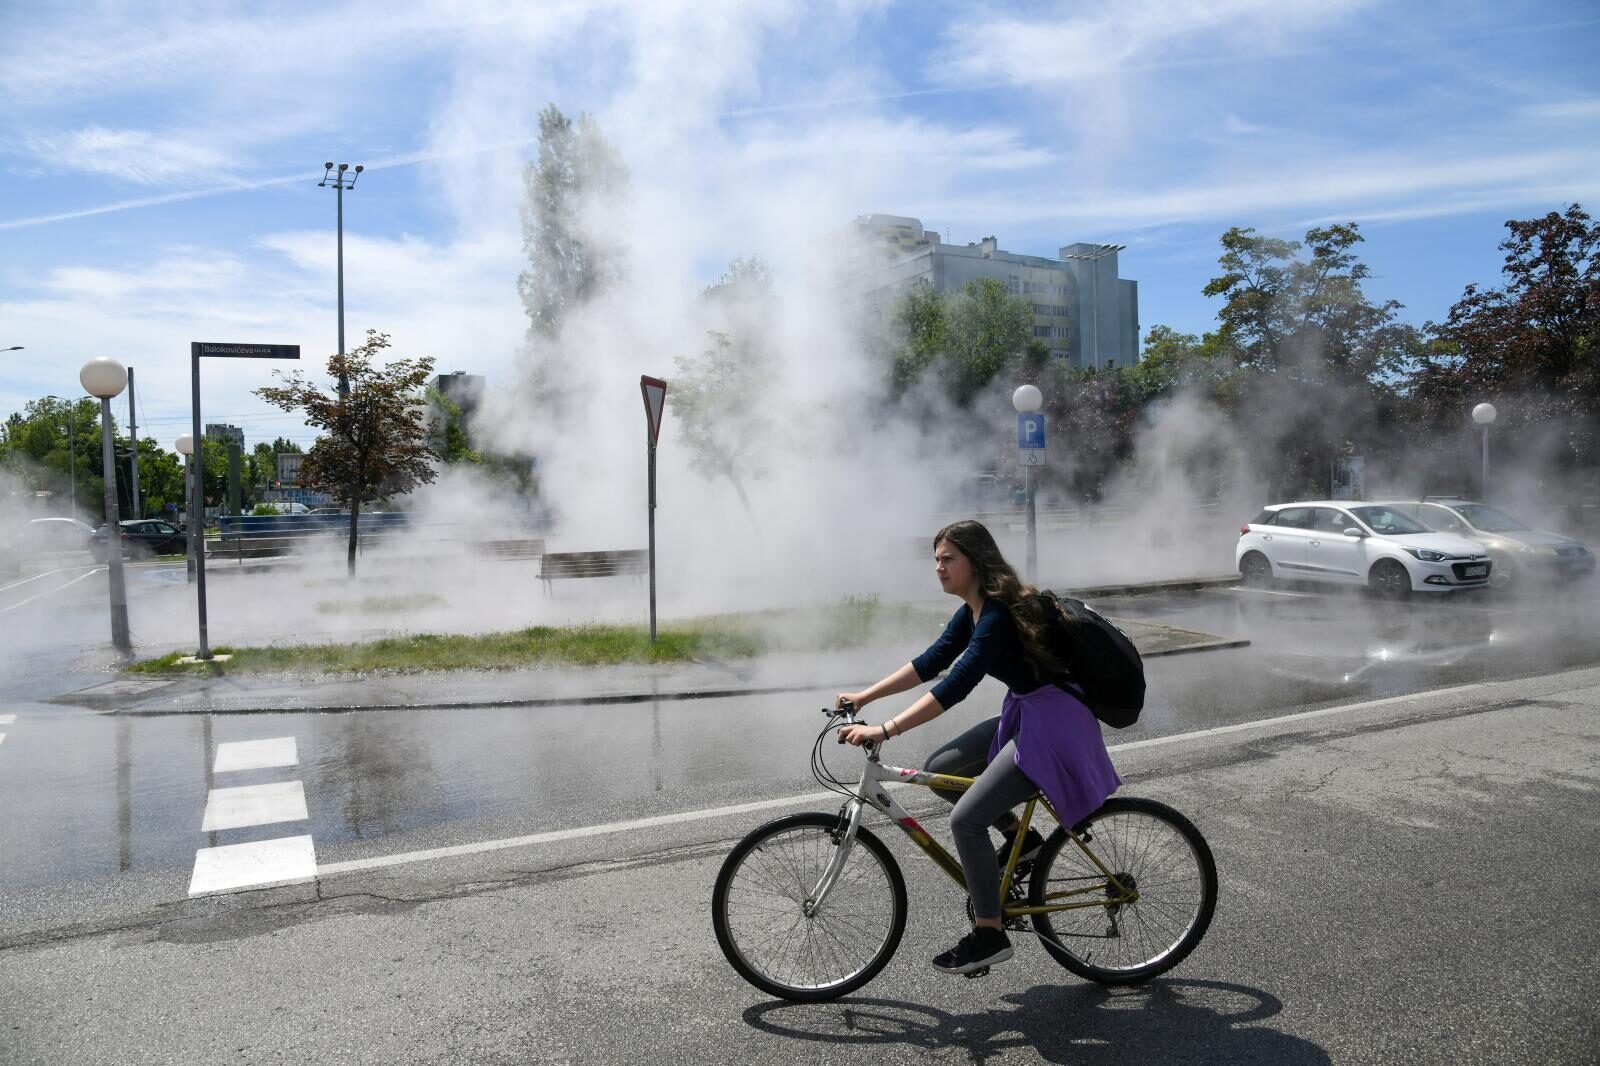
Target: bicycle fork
x: 844, y: 839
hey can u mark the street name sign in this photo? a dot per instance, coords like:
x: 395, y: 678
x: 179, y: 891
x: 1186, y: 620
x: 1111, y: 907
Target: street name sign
x: 232, y: 350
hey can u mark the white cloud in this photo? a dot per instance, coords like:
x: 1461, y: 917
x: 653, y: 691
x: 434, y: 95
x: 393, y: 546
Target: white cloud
x: 135, y: 156
x: 991, y: 45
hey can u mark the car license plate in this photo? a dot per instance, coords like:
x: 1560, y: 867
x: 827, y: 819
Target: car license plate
x: 1475, y: 571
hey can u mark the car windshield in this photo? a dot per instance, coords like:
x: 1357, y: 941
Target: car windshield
x: 1387, y: 521
x: 1488, y: 519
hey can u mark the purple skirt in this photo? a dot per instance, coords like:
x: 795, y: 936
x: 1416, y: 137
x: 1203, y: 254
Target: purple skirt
x: 1060, y: 748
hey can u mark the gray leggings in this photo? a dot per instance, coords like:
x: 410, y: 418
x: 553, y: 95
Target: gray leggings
x: 1000, y: 787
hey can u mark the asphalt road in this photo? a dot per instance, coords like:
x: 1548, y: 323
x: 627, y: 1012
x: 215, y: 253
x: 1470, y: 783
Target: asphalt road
x: 1406, y: 880
x: 1330, y: 861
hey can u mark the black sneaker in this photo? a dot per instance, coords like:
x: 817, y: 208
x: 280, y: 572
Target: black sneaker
x: 1030, y: 850
x: 978, y: 950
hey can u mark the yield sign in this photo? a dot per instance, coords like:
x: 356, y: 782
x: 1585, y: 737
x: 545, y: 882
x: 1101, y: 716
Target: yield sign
x: 655, y: 397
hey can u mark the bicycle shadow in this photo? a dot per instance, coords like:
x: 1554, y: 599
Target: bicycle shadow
x: 1166, y: 1021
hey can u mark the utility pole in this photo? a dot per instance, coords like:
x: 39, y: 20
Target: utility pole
x: 339, y: 183
x: 133, y: 447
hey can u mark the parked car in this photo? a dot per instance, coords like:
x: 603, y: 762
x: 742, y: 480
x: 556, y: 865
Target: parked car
x: 44, y: 538
x: 1518, y: 552
x: 142, y: 538
x: 1349, y: 543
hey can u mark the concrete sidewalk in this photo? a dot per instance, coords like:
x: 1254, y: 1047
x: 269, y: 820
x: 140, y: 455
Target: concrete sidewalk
x: 624, y: 683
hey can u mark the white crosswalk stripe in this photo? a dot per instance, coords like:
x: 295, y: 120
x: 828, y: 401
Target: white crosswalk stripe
x: 261, y: 863
x: 256, y: 754
x: 6, y: 719
x: 256, y: 865
x: 236, y: 808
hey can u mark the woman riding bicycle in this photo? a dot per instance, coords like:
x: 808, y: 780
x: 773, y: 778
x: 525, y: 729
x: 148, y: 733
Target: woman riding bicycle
x: 1044, y: 740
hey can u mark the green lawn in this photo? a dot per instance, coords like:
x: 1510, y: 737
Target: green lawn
x: 851, y: 623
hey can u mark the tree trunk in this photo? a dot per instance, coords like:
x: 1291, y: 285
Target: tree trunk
x: 355, y: 515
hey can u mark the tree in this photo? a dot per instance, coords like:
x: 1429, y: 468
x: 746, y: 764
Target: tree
x: 1534, y: 342
x: 720, y: 396
x: 374, y: 443
x: 40, y: 445
x: 452, y: 441
x: 964, y: 339
x: 1318, y: 360
x: 576, y: 169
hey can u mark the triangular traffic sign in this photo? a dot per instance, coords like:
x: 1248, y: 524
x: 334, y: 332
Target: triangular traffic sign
x: 655, y: 398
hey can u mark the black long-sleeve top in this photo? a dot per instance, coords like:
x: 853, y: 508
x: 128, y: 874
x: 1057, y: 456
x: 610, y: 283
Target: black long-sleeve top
x: 991, y: 648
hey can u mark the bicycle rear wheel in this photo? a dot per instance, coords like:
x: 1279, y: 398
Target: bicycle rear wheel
x: 759, y: 909
x: 1154, y: 850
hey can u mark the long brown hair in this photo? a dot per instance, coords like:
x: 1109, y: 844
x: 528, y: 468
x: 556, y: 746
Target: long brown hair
x: 999, y: 582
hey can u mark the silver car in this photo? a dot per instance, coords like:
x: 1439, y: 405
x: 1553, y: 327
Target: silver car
x: 1518, y: 552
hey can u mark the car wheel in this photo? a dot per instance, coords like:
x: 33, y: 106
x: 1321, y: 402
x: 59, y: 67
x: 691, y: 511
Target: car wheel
x: 1501, y: 572
x: 1389, y: 579
x: 1256, y: 569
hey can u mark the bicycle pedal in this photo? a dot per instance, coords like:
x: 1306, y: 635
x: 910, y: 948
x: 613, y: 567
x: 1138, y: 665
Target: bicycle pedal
x: 977, y: 973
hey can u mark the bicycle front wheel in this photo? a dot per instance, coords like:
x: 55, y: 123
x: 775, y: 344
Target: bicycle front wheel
x: 1152, y: 851
x: 773, y: 935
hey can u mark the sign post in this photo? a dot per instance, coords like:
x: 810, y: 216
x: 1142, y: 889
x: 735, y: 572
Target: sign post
x: 197, y: 502
x: 655, y: 399
x: 1030, y: 453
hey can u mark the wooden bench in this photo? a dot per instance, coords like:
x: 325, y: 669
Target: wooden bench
x: 558, y: 565
x: 531, y: 548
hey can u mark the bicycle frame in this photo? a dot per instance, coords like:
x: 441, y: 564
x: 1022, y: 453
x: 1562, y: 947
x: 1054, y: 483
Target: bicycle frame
x: 870, y: 792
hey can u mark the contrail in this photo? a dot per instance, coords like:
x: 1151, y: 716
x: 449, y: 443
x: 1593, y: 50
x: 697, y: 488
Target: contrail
x: 405, y: 160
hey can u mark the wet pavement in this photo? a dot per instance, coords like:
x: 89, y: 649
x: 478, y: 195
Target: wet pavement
x: 96, y: 798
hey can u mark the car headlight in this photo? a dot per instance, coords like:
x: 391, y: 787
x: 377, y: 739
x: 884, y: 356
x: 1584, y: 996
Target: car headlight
x: 1427, y: 555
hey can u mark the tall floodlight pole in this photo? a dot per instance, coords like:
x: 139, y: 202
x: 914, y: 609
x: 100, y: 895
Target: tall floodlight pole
x: 1093, y: 259
x: 1484, y: 415
x: 1030, y: 449
x: 339, y: 183
x: 106, y: 378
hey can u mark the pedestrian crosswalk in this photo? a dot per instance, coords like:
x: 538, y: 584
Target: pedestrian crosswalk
x: 258, y: 863
x: 6, y: 719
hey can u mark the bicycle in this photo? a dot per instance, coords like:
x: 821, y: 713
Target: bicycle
x: 812, y: 906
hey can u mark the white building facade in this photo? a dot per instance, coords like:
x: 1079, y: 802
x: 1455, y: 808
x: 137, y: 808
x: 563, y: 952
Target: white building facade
x: 1083, y: 311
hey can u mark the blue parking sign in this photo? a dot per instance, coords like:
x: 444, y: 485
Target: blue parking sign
x: 1030, y: 430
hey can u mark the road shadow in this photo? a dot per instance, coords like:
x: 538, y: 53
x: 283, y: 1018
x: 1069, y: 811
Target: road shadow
x: 1165, y: 1021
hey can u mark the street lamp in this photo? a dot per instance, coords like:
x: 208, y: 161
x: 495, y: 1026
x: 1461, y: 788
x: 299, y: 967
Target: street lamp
x: 1093, y: 258
x: 1483, y: 414
x: 339, y: 183
x: 185, y: 446
x: 1027, y: 400
x: 106, y: 378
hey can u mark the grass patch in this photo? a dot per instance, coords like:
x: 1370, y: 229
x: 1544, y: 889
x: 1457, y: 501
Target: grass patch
x: 381, y: 604
x: 592, y: 645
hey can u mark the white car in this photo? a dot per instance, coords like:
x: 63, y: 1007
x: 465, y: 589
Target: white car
x: 1350, y: 543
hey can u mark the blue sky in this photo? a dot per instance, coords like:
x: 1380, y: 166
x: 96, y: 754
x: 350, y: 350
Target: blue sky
x: 158, y: 163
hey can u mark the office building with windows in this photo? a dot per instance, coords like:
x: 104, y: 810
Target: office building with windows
x: 1082, y: 310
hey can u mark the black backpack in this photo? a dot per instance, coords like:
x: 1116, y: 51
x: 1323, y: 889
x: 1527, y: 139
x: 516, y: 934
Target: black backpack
x: 1103, y: 661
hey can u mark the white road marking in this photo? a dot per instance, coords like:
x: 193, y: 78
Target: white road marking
x: 36, y: 577
x: 256, y: 754
x: 234, y: 808
x: 2, y: 738
x: 266, y: 862
x: 7, y: 719
x: 1262, y: 723
x: 52, y: 592
x: 832, y: 798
